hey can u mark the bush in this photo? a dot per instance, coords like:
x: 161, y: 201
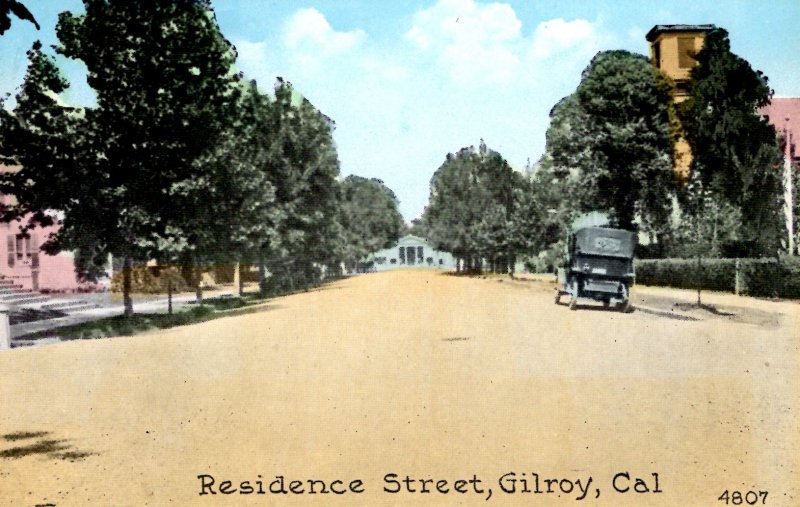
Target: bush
x: 757, y: 277
x: 145, y: 281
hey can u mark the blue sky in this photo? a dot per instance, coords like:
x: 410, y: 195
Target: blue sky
x: 409, y: 81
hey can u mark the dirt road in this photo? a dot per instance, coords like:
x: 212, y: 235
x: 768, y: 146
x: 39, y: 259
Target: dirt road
x: 413, y: 373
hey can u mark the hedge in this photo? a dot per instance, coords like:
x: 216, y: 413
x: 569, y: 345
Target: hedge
x: 771, y: 277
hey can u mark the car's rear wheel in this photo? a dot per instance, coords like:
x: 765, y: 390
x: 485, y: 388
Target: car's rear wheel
x: 573, y: 302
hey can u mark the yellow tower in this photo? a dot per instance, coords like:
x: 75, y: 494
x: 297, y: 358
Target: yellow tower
x: 672, y: 49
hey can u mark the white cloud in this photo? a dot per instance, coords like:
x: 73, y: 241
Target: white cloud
x: 484, y: 42
x: 558, y: 35
x: 473, y: 40
x: 308, y: 29
x: 253, y: 60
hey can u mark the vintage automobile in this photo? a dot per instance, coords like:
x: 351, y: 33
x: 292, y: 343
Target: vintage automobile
x: 598, y: 266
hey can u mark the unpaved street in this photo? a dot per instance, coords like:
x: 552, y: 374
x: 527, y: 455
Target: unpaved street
x: 420, y: 374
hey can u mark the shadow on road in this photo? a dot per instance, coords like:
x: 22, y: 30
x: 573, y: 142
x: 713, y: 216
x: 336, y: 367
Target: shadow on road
x: 32, y: 443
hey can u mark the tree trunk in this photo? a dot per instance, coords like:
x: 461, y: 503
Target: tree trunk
x: 237, y: 277
x: 699, y: 268
x: 241, y: 282
x: 198, y: 291
x: 169, y: 296
x: 262, y: 276
x: 127, y: 266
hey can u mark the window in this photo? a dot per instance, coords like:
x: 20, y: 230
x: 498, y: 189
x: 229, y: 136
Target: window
x: 420, y: 254
x: 657, y: 54
x: 22, y: 249
x: 686, y: 52
x: 401, y: 252
x: 441, y: 261
x: 429, y: 260
x: 393, y: 261
x: 11, y: 256
x: 380, y: 260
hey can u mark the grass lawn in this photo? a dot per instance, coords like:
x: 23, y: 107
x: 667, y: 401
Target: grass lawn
x: 120, y: 325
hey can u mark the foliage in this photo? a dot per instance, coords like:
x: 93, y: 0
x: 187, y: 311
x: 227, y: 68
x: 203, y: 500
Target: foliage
x: 776, y: 277
x: 609, y: 145
x: 132, y: 159
x: 16, y: 8
x: 369, y: 216
x: 303, y: 168
x: 471, y: 208
x: 735, y: 150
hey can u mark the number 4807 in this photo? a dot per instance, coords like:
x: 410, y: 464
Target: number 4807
x: 739, y: 498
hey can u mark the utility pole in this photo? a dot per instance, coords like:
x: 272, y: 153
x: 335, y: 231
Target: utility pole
x: 788, y: 185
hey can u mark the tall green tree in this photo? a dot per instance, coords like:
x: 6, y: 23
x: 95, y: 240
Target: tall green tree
x: 161, y: 72
x: 303, y: 167
x: 471, y: 207
x: 611, y: 141
x: 230, y: 212
x: 735, y: 150
x: 369, y: 216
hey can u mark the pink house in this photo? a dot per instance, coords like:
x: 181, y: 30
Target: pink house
x: 22, y: 262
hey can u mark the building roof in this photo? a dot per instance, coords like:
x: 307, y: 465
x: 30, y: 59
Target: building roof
x: 659, y: 29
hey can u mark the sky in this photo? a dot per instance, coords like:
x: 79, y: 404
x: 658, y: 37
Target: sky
x: 409, y: 81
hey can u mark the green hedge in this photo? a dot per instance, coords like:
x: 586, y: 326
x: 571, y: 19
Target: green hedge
x: 757, y: 277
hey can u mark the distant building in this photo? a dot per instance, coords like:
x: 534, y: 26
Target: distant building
x: 673, y: 49
x: 410, y: 251
x: 784, y: 114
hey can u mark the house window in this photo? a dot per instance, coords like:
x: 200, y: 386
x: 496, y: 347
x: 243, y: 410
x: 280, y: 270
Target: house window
x: 686, y: 52
x: 657, y: 54
x: 393, y: 261
x: 420, y: 254
x: 11, y: 250
x: 24, y: 249
x: 401, y: 252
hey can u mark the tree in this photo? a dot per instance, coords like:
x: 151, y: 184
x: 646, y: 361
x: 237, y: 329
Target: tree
x: 369, y: 216
x: 165, y: 92
x: 303, y: 167
x: 8, y: 7
x: 231, y: 213
x: 611, y: 141
x: 470, y: 207
x: 735, y: 150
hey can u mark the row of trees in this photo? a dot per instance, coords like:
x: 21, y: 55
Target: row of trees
x: 610, y: 148
x: 481, y: 209
x: 181, y: 161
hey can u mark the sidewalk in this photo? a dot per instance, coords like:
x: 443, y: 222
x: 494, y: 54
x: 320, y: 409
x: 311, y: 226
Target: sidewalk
x: 19, y: 331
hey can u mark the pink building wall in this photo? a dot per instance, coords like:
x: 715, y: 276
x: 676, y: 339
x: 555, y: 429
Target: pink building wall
x: 784, y: 114
x: 22, y: 261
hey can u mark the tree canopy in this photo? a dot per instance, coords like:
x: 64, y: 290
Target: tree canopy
x: 611, y: 141
x: 180, y: 160
x: 472, y: 206
x: 735, y: 151
x: 369, y: 217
